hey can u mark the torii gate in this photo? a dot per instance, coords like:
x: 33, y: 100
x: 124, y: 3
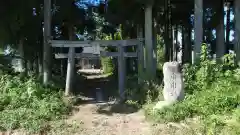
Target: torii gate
x: 120, y: 44
x: 47, y: 38
x: 48, y: 43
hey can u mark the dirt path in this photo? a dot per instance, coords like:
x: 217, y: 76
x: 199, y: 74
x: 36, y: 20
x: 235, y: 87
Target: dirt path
x: 108, y: 119
x: 99, y: 120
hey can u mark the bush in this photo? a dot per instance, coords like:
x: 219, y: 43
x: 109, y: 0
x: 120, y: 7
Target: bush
x: 144, y: 93
x: 160, y: 53
x: 107, y: 65
x: 219, y: 99
x: 212, y: 92
x: 25, y: 104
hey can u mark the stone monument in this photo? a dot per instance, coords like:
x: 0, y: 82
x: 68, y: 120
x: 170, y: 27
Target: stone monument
x: 173, y: 90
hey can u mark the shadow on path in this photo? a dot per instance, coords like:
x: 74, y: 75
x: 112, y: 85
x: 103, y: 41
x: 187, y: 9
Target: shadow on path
x: 101, y: 90
x: 95, y: 87
x: 116, y: 108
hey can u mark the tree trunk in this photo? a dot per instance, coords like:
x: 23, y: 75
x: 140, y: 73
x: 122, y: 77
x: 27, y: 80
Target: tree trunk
x: 22, y: 65
x: 170, y: 32
x: 62, y: 68
x: 228, y: 28
x: 40, y: 64
x: 29, y: 67
x: 198, y: 29
x: 154, y: 48
x: 175, y: 42
x: 62, y: 65
x: 149, y: 41
x: 237, y: 31
x: 187, y: 46
x: 166, y: 33
x: 36, y: 71
x: 220, y: 46
x: 183, y: 44
x: 140, y: 55
x: 130, y: 62
x: 47, y: 47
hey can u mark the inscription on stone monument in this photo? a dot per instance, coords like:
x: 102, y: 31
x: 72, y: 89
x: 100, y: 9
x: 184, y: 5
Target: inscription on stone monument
x: 173, y: 82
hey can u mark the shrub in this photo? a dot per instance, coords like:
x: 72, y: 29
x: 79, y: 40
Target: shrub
x: 145, y: 92
x: 212, y: 89
x: 25, y: 104
x: 107, y: 65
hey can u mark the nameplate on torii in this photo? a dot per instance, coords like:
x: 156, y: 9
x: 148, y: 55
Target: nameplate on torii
x: 88, y: 43
x: 91, y: 55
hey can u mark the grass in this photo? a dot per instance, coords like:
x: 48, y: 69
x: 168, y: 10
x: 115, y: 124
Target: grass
x: 26, y: 104
x: 212, y: 95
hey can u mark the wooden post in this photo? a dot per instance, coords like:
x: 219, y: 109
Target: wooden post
x: 70, y: 71
x: 121, y: 71
x: 237, y: 30
x: 198, y: 29
x: 148, y: 40
x: 140, y: 55
x: 47, y: 47
x: 220, y: 46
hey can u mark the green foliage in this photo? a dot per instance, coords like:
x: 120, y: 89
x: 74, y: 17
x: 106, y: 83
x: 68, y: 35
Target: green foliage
x: 160, y: 52
x: 107, y: 62
x: 25, y: 104
x: 107, y: 65
x: 144, y: 93
x: 212, y: 92
x: 218, y: 99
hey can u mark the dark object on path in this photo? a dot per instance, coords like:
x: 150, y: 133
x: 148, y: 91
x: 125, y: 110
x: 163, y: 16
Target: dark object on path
x: 99, y: 95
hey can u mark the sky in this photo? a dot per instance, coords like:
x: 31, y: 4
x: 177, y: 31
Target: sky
x: 84, y: 3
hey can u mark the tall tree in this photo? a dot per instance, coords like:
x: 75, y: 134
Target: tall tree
x: 47, y: 47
